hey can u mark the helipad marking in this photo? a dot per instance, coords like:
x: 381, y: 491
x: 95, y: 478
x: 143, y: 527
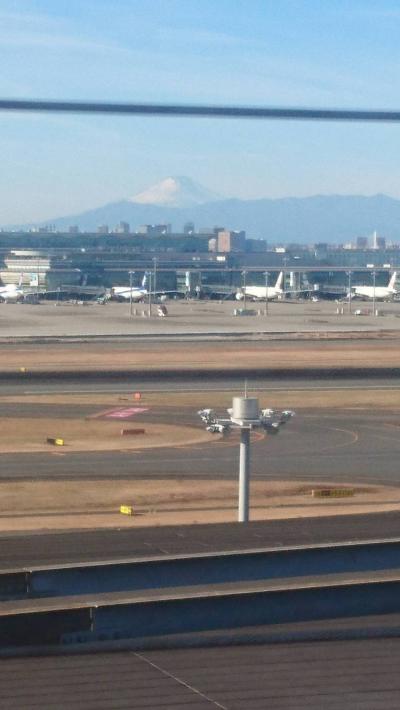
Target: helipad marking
x: 117, y: 413
x: 125, y: 413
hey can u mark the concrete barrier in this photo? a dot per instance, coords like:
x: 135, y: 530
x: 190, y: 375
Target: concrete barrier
x: 195, y: 610
x: 211, y: 568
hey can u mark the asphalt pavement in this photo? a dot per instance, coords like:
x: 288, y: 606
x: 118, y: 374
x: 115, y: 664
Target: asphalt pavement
x: 117, y: 383
x: 191, y: 319
x: 360, y: 446
x: 18, y: 550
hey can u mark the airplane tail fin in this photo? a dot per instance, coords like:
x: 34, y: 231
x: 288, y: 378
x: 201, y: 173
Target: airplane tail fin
x: 279, y: 281
x: 144, y: 280
x: 392, y: 280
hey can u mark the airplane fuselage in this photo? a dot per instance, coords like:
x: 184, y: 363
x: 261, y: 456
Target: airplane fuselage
x: 136, y: 294
x: 11, y: 293
x: 378, y: 292
x: 259, y: 293
x: 368, y: 292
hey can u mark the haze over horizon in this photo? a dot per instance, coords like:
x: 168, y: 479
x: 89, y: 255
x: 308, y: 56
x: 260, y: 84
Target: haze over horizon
x: 259, y: 53
x: 182, y: 192
x: 178, y: 200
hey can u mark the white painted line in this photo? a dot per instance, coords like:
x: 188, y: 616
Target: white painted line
x: 203, y: 388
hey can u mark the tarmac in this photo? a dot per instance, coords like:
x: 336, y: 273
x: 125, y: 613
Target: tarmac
x: 194, y: 319
x: 19, y: 550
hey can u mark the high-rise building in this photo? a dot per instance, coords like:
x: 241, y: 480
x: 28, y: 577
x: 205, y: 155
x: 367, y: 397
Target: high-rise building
x: 122, y: 228
x: 188, y: 228
x: 154, y: 230
x: 362, y: 242
x: 231, y: 241
x: 378, y: 242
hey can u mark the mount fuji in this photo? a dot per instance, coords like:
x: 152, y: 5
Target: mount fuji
x: 177, y: 200
x: 178, y: 192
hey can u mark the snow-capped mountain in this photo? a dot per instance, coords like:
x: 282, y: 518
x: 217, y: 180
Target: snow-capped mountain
x: 177, y: 191
x: 178, y: 200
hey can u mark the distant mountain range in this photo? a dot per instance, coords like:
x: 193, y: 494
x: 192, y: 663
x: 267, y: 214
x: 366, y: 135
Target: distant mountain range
x: 178, y: 191
x: 176, y: 200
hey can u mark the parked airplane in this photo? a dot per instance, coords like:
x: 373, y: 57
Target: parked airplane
x: 136, y: 293
x: 11, y: 292
x: 263, y: 292
x: 379, y: 292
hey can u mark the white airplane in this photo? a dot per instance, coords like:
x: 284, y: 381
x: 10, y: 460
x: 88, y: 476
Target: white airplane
x: 379, y: 292
x: 136, y: 293
x: 11, y: 292
x: 263, y: 292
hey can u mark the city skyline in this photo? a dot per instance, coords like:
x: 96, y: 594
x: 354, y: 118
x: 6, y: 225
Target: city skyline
x: 254, y: 53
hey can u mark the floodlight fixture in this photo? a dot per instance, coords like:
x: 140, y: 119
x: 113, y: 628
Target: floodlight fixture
x: 245, y: 415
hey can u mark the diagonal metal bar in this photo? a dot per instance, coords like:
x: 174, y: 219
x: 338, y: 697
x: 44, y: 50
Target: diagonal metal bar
x: 206, y: 111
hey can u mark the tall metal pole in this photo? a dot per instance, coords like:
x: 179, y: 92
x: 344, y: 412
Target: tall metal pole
x: 150, y: 286
x: 349, y: 275
x: 130, y: 292
x: 155, y: 276
x: 37, y: 280
x: 245, y: 415
x: 285, y: 259
x: 373, y: 293
x: 266, y: 292
x: 244, y: 475
x: 244, y: 273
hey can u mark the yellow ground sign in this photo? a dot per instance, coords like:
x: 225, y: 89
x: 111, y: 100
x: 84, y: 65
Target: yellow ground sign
x: 126, y: 509
x: 55, y: 442
x: 332, y: 492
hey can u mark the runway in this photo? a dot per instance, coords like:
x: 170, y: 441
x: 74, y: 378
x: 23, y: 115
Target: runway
x: 341, y: 445
x: 184, y: 382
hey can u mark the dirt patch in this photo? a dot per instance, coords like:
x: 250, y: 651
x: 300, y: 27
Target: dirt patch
x: 44, y: 505
x: 21, y: 435
x: 219, y: 355
x: 290, y: 398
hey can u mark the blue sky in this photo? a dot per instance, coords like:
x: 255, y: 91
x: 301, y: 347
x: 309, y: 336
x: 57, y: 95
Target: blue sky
x: 260, y: 52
